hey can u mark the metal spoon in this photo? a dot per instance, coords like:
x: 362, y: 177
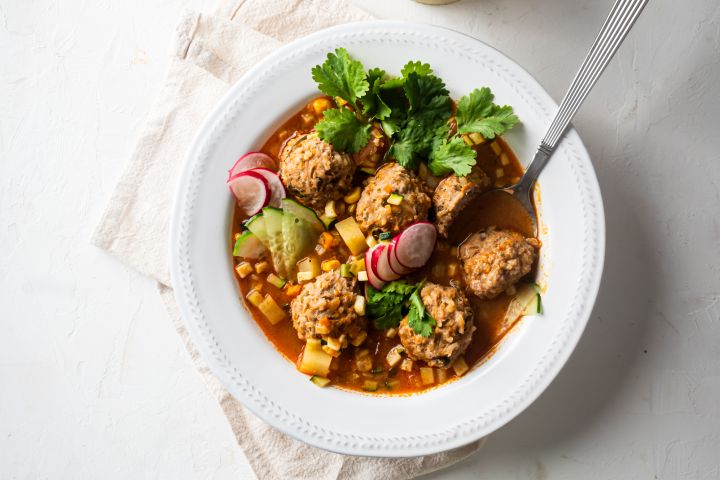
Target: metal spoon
x: 613, y: 32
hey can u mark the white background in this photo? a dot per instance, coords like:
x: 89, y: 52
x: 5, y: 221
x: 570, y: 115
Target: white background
x: 94, y: 382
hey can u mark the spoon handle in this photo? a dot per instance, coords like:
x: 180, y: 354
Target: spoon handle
x: 613, y: 32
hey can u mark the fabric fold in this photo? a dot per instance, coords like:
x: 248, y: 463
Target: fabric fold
x: 209, y: 54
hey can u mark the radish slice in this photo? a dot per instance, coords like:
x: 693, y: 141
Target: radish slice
x: 383, y: 268
x: 370, y: 262
x: 250, y: 190
x: 393, y: 261
x: 277, y: 190
x: 252, y: 160
x: 415, y: 245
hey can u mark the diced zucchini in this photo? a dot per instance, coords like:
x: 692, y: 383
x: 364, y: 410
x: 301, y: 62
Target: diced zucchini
x: 441, y: 374
x: 257, y: 226
x: 254, y: 297
x: 310, y: 265
x: 314, y: 360
x: 243, y: 269
x: 303, y: 277
x: 328, y: 221
x: 303, y: 213
x: 359, y: 305
x: 248, y: 245
x: 362, y: 276
x: 345, y: 271
x: 460, y: 367
x: 363, y: 361
x: 527, y: 301
x: 272, y: 311
x: 385, y: 236
x: 394, y: 355
x: 321, y: 382
x: 330, y: 209
x: 274, y: 225
x: 261, y: 267
x: 351, y: 235
x: 369, y: 171
x: 371, y: 241
x: 276, y: 281
x: 370, y: 386
x: 395, y: 199
x: 427, y: 375
x: 406, y: 365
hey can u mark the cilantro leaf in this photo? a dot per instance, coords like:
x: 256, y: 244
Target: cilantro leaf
x: 373, y: 104
x: 417, y: 67
x: 343, y: 130
x: 419, y: 319
x: 341, y: 76
x: 412, y: 140
x: 452, y: 156
x: 386, y: 305
x: 427, y: 97
x: 476, y: 112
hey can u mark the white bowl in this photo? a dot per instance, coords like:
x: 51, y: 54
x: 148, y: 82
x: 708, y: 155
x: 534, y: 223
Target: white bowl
x: 347, y: 422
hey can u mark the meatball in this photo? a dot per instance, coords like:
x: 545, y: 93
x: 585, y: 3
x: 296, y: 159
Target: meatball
x: 325, y: 308
x: 453, y: 193
x: 494, y: 260
x: 451, y: 310
x: 313, y: 171
x: 375, y: 214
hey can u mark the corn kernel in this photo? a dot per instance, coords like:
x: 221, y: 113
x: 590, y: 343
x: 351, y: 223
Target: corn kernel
x: 505, y: 159
x: 441, y: 375
x: 467, y: 140
x: 391, y: 332
x: 243, y: 269
x: 499, y: 173
x: 359, y: 340
x: 370, y: 240
x: 476, y: 138
x: 320, y: 105
x: 496, y: 148
x: 353, y: 196
x: 329, y: 265
x: 359, y: 305
x: 330, y: 351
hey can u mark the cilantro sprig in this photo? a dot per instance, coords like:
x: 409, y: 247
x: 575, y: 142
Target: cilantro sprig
x: 388, y: 306
x: 414, y: 111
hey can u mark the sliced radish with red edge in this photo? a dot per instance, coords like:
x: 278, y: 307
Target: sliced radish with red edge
x: 252, y: 160
x: 251, y: 191
x: 277, y: 190
x: 393, y: 261
x: 370, y: 262
x: 414, y: 246
x: 383, y: 268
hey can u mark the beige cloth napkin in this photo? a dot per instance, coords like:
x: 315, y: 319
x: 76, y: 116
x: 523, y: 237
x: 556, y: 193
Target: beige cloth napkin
x: 210, y: 53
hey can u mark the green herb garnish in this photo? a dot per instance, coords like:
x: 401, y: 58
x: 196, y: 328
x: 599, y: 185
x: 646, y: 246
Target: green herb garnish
x: 477, y: 113
x: 419, y: 319
x: 414, y: 111
x: 386, y: 305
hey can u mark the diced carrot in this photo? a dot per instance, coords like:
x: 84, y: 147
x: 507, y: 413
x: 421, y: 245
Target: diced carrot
x: 293, y: 290
x: 326, y: 240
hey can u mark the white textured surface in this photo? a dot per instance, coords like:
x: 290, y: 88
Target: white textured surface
x: 93, y: 381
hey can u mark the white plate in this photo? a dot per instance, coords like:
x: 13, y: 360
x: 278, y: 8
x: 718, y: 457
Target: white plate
x: 246, y: 362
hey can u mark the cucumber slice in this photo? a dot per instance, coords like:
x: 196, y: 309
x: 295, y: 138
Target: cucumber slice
x: 526, y: 302
x: 299, y: 238
x: 303, y: 213
x: 249, y: 246
x: 274, y: 228
x: 257, y: 226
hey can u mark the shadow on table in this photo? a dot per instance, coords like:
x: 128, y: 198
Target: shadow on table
x: 601, y: 366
